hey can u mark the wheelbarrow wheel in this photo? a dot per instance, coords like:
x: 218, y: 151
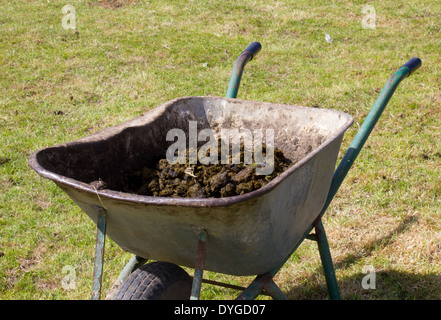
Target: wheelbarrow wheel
x: 156, y: 281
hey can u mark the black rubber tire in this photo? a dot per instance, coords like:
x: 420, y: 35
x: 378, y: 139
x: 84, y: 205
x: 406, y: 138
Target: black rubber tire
x: 156, y: 281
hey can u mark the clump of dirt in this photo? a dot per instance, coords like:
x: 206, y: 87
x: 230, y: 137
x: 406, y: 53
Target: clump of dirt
x: 203, y: 181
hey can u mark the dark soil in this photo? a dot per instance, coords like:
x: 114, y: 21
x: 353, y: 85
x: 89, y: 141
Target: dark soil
x: 202, y: 181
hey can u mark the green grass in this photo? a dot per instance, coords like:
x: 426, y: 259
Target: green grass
x: 127, y: 57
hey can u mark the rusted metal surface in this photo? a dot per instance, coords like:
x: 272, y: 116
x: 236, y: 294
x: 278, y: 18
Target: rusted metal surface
x: 271, y: 289
x: 262, y: 284
x: 99, y: 252
x: 325, y: 257
x: 230, y: 286
x: 200, y: 263
x: 250, y: 233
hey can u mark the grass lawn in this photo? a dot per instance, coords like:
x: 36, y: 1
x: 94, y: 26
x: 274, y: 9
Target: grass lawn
x: 126, y: 57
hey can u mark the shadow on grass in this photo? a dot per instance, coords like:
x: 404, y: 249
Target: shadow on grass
x: 369, y: 248
x: 389, y: 284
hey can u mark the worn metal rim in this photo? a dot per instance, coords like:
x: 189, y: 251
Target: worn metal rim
x: 185, y: 202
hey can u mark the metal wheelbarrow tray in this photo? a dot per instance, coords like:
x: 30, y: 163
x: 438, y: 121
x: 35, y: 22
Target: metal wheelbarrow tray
x: 248, y: 234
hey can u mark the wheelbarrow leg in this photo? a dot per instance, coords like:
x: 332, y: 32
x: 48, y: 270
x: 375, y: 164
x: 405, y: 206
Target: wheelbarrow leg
x: 257, y: 287
x: 199, y: 268
x: 99, y: 253
x: 325, y: 256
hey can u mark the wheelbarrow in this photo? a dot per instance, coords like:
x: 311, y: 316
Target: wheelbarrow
x: 248, y: 234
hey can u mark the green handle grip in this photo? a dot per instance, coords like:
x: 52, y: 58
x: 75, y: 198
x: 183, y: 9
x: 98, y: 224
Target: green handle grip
x: 413, y: 64
x: 254, y: 48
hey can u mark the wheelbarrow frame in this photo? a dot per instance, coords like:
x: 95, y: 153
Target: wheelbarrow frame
x: 264, y: 283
